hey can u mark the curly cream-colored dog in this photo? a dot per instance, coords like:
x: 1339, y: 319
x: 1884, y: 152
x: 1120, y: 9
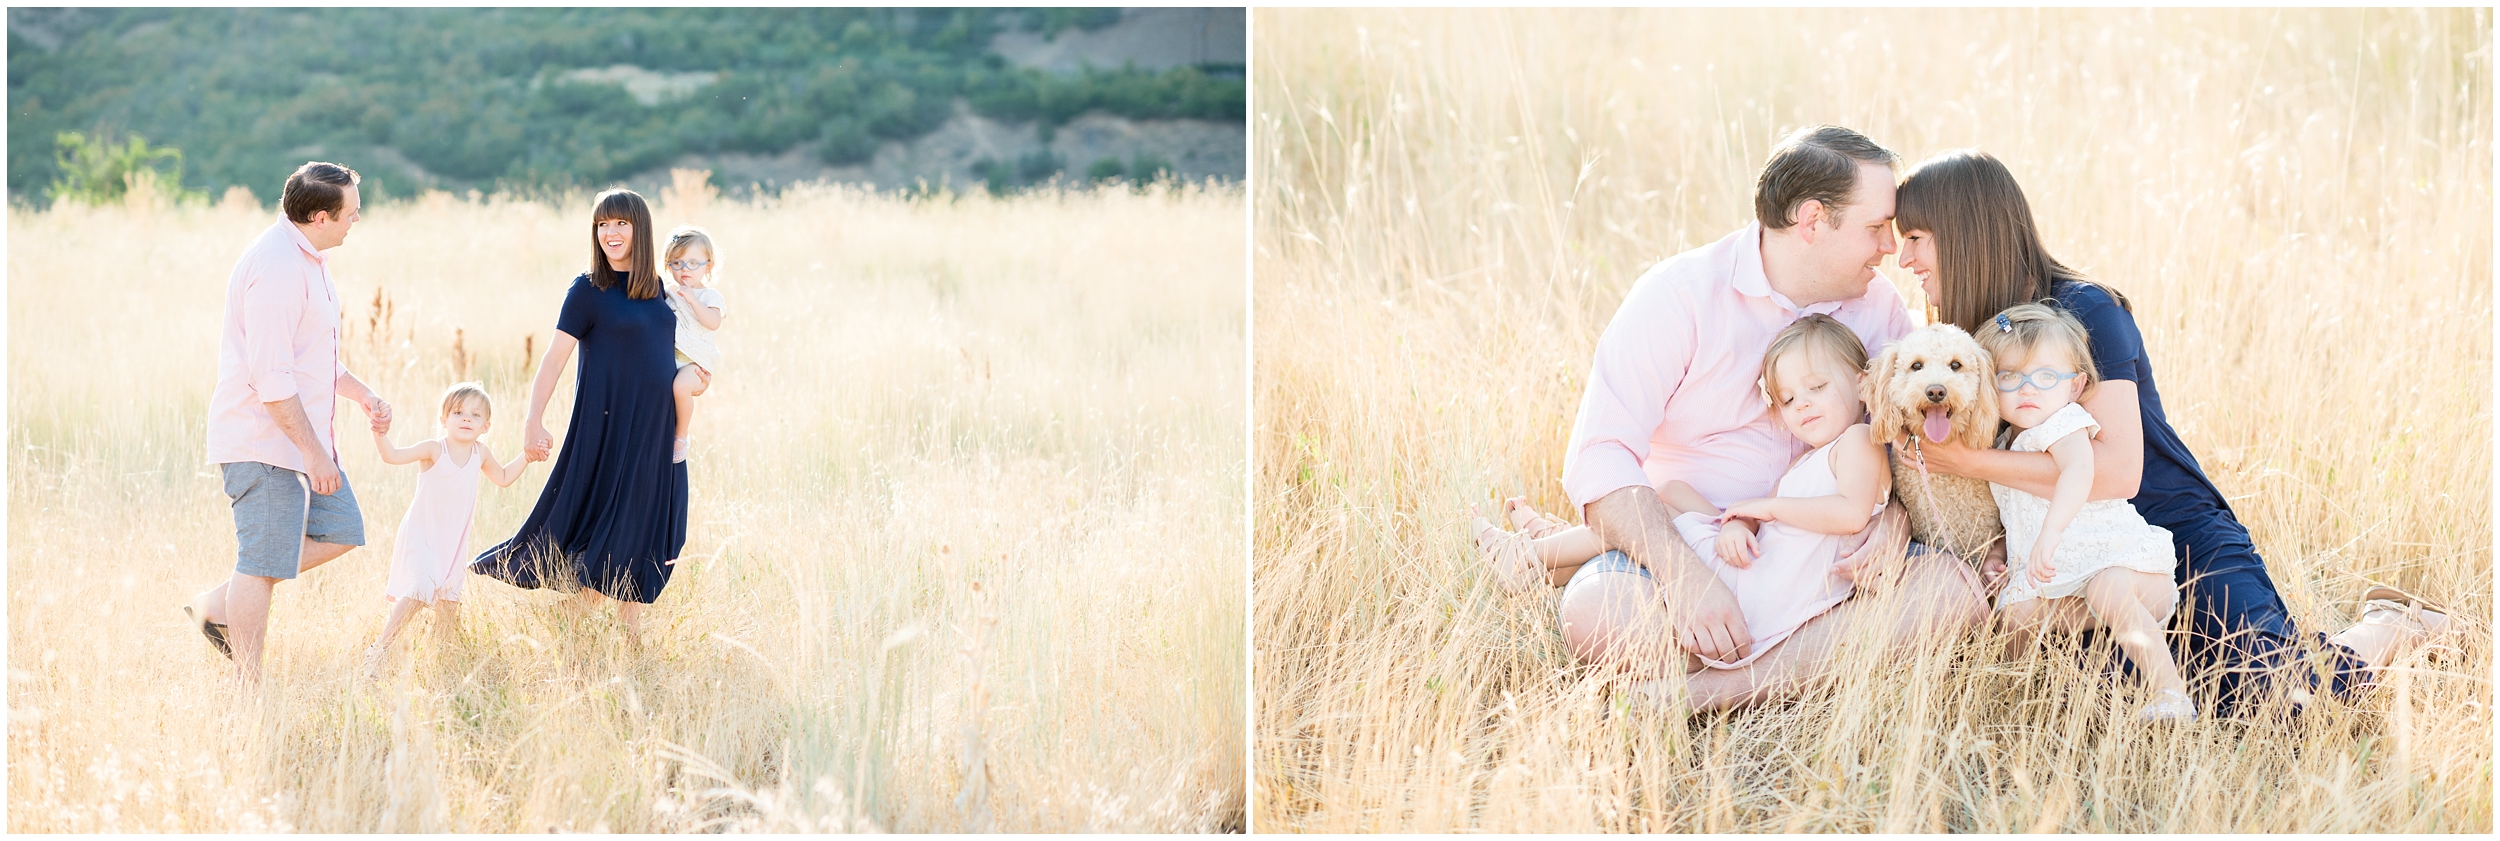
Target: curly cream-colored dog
x: 1933, y: 383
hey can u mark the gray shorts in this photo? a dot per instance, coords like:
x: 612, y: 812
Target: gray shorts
x: 275, y: 509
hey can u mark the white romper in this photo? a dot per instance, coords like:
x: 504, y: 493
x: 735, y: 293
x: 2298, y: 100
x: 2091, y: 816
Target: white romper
x: 694, y: 342
x: 2105, y: 533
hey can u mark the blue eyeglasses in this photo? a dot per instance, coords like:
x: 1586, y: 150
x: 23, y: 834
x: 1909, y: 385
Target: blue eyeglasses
x: 688, y: 265
x: 2042, y: 379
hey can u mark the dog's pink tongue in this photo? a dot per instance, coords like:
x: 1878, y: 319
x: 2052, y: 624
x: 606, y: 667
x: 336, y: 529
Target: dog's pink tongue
x: 1938, y: 425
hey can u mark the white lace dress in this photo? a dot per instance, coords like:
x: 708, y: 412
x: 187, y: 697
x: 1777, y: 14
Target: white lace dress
x: 2106, y: 533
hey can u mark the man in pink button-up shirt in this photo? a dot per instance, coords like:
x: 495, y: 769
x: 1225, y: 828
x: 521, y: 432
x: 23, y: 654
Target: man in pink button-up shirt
x: 270, y: 426
x: 1672, y: 396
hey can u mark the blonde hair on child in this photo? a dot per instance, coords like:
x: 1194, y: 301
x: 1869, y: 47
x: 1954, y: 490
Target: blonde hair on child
x: 1815, y: 333
x: 464, y: 392
x: 688, y: 236
x: 2023, y: 328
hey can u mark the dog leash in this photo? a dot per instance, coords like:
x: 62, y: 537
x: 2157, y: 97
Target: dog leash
x: 1927, y: 488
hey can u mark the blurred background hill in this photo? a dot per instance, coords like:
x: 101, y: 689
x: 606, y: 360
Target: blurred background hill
x: 554, y: 99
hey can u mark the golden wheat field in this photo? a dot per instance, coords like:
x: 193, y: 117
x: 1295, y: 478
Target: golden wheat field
x: 964, y: 553
x: 1448, y: 206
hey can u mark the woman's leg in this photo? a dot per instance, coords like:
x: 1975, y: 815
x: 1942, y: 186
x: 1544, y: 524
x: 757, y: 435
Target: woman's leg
x: 2126, y: 601
x: 2239, y: 633
x: 630, y: 614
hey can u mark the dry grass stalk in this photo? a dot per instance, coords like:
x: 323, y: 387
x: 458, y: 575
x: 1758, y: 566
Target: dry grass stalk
x: 1450, y: 206
x: 834, y: 458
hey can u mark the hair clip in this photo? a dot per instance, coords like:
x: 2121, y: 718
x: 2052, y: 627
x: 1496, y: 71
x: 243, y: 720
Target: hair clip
x: 2004, y: 325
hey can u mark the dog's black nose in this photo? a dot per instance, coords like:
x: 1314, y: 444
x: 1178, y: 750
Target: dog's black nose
x: 1935, y: 394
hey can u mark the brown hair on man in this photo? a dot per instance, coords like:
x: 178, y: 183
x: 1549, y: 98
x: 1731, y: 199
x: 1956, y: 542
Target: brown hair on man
x: 316, y: 187
x: 1815, y: 163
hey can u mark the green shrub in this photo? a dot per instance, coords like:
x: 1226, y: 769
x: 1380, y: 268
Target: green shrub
x: 1104, y: 169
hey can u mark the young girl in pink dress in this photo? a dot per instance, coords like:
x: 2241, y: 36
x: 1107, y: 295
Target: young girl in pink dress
x: 1775, y: 553
x: 431, y: 562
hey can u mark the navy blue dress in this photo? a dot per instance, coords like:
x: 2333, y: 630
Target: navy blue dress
x: 613, y: 513
x: 2239, y: 635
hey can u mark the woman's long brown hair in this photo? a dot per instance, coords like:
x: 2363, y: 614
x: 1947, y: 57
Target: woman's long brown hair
x: 642, y: 280
x: 1988, y: 251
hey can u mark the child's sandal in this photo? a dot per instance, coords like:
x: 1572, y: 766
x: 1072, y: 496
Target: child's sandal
x: 2169, y: 705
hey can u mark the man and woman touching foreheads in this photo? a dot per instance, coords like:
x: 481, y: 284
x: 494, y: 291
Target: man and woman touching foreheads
x: 1738, y: 515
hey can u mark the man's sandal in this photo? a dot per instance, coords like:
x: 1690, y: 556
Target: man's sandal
x: 215, y: 633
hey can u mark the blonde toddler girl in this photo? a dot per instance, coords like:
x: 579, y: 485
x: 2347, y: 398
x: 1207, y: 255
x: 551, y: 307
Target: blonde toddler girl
x: 2078, y: 564
x: 691, y: 260
x: 431, y: 562
x: 1778, y: 553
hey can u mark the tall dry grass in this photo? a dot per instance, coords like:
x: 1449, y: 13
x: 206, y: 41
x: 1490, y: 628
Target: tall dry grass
x: 964, y: 554
x: 1449, y: 206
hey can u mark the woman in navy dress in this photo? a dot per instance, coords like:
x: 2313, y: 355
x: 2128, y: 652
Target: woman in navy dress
x: 612, y: 517
x: 1967, y: 231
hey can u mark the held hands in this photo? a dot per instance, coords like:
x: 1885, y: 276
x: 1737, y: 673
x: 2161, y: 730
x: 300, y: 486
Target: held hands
x: 378, y: 412
x: 538, y: 442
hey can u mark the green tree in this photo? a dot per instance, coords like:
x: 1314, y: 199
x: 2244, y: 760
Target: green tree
x: 101, y: 172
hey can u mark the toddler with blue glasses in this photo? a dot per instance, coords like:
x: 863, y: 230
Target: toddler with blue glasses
x: 2082, y: 564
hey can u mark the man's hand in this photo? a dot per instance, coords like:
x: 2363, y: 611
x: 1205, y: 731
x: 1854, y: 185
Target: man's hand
x: 321, y: 473
x: 1704, y: 612
x: 1884, y: 543
x: 378, y: 411
x: 1737, y: 546
x: 1707, y: 620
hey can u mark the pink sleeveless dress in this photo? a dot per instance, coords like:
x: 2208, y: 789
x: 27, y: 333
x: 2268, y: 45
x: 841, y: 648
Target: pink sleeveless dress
x: 431, y: 560
x: 1793, y: 580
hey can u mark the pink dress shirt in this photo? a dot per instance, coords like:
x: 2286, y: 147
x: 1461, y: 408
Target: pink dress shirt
x: 281, y: 340
x: 1672, y: 393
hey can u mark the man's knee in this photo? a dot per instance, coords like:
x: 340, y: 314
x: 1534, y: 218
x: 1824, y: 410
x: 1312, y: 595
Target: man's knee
x: 1611, y: 615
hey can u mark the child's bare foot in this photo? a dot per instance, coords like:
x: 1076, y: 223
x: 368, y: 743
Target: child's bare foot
x: 1527, y: 520
x: 375, y: 655
x: 1510, y: 556
x: 680, y: 454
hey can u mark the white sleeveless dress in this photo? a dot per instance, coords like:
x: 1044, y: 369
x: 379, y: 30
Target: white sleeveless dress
x: 430, y: 562
x: 2105, y: 533
x: 1793, y: 580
